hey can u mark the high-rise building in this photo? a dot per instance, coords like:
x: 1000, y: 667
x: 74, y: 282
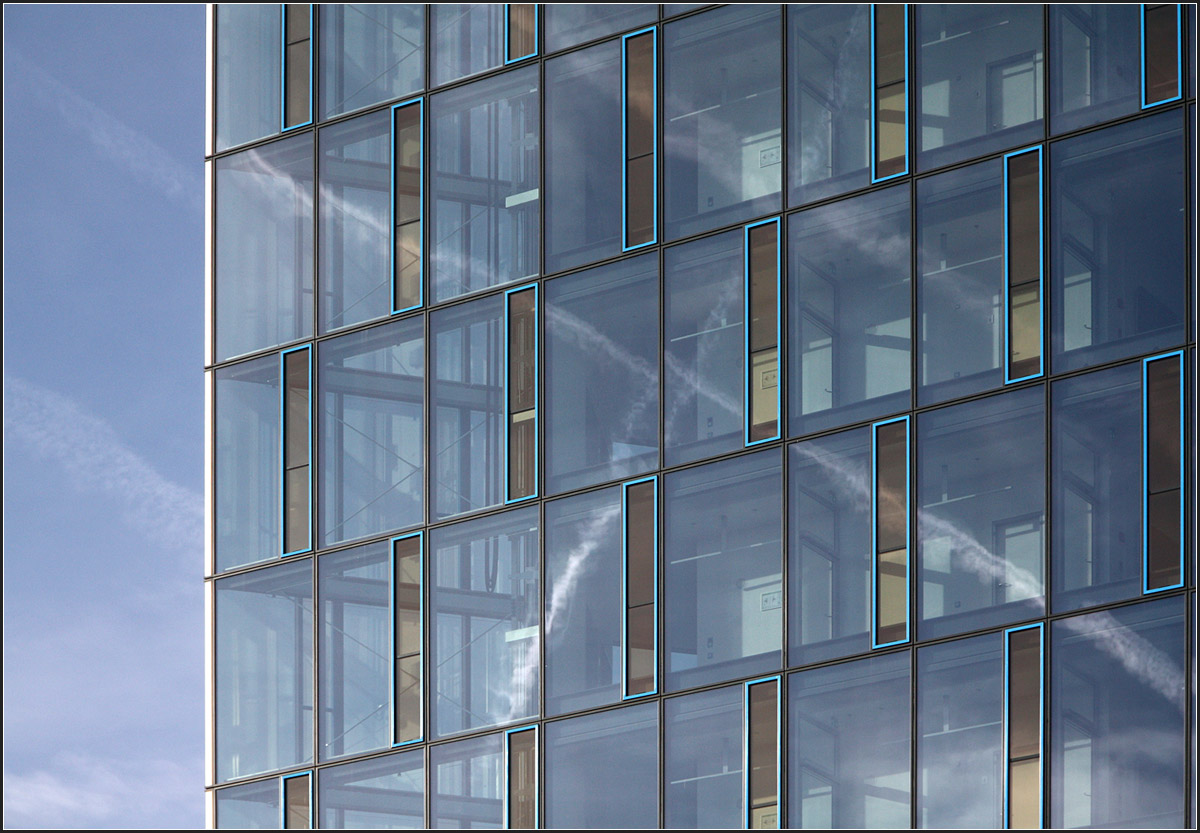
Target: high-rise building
x: 692, y: 416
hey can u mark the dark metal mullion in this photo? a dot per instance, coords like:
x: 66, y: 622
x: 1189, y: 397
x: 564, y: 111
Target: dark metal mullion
x: 659, y: 65
x: 783, y: 420
x: 1046, y: 201
x: 914, y: 383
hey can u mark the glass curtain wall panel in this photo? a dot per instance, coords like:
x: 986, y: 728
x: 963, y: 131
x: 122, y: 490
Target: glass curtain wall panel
x: 722, y: 118
x: 850, y: 307
x: 703, y: 748
x: 723, y: 570
x: 704, y: 346
x: 466, y: 783
x: 981, y: 513
x: 369, y: 53
x: 829, y: 100
x: 263, y: 670
x: 1117, y: 717
x: 602, y: 770
x: 371, y: 427
x: 1095, y: 64
x: 568, y: 24
x: 248, y: 66
x: 380, y: 792
x: 601, y: 377
x: 979, y: 80
x: 484, y: 622
x: 583, y: 601
x: 466, y: 38
x: 264, y: 257
x: 249, y: 806
x: 848, y: 745
x: 484, y: 197
x: 1117, y: 263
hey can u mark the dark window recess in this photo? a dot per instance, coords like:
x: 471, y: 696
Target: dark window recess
x: 406, y: 286
x: 296, y: 814
x: 406, y: 572
x: 1024, y: 728
x: 640, y: 534
x: 1163, y: 475
x: 296, y: 444
x: 764, y: 755
x: 763, y: 243
x: 639, y: 139
x: 891, y: 532
x: 1161, y: 59
x: 522, y: 30
x: 522, y: 780
x: 891, y: 91
x: 1024, y: 265
x: 296, y: 69
x: 522, y: 393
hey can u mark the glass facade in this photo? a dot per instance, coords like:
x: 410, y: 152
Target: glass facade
x: 746, y: 416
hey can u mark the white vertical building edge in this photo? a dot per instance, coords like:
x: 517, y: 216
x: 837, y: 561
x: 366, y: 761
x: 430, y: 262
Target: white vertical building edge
x: 210, y: 774
x: 210, y: 45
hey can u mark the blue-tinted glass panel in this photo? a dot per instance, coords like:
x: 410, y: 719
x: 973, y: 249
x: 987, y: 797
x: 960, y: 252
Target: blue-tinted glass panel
x: 848, y: 745
x: 1097, y: 488
x: 960, y: 289
x: 583, y: 155
x: 1117, y: 717
x: 850, y: 313
x: 583, y: 601
x: 979, y: 80
x: 466, y: 411
x: 465, y: 783
x: 249, y: 807
x: 1095, y: 64
x: 484, y: 183
x: 602, y: 374
x: 981, y: 500
x: 570, y: 23
x: 484, y: 622
x: 829, y: 547
x: 829, y: 100
x: 264, y: 257
x: 705, y: 352
x: 672, y: 9
x: 721, y: 124
x: 467, y: 38
x: 264, y: 656
x: 370, y: 52
x: 703, y: 766
x: 602, y: 770
x: 1118, y: 274
x: 248, y: 66
x: 960, y: 733
x: 371, y: 428
x: 387, y: 792
x: 724, y: 582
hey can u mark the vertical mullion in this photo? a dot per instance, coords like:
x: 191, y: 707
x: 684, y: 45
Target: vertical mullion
x: 1020, y: 279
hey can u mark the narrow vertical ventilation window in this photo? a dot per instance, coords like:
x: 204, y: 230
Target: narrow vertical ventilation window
x: 1023, y: 263
x: 890, y: 532
x: 762, y: 754
x: 297, y: 802
x: 641, y: 536
x: 762, y: 336
x: 639, y: 96
x: 521, y: 769
x: 297, y: 445
x: 889, y: 65
x: 406, y: 669
x: 297, y: 64
x: 521, y: 31
x: 1160, y: 53
x: 1023, y: 730
x: 522, y: 392
x: 407, y: 199
x: 1163, y: 472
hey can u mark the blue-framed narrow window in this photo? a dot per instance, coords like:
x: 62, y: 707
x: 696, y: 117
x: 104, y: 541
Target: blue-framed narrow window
x: 1023, y: 720
x: 890, y: 544
x: 1162, y: 472
x: 761, y: 754
x: 296, y: 442
x: 889, y: 90
x: 408, y: 200
x: 639, y: 138
x: 639, y: 548
x: 296, y: 804
x: 520, y: 778
x: 1162, y: 53
x: 762, y: 269
x: 408, y: 633
x: 1023, y: 265
x: 520, y: 31
x: 297, y: 58
x: 521, y: 391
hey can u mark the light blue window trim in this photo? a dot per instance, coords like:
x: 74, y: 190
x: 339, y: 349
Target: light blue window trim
x: 908, y: 560
x: 537, y: 389
x: 778, y: 680
x: 747, y: 365
x: 283, y: 390
x: 537, y: 13
x: 419, y: 103
x: 283, y: 797
x: 1008, y: 377
x: 420, y: 629
x: 1177, y: 355
x: 1041, y: 717
x: 1178, y: 59
x: 283, y: 125
x: 537, y: 786
x: 875, y: 102
x: 625, y: 695
x: 625, y: 247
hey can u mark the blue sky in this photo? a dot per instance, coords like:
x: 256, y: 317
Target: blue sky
x: 103, y: 416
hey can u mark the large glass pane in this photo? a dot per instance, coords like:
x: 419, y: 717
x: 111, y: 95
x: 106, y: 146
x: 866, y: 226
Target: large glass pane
x: 583, y: 601
x: 724, y: 605
x: 466, y: 38
x: 982, y: 508
x: 721, y: 125
x: 484, y: 622
x: 1118, y: 275
x: 1117, y: 717
x: 264, y: 260
x: 979, y: 80
x: 249, y: 807
x: 703, y: 766
x: 602, y: 770
x: 850, y: 312
x: 263, y: 660
x: 1095, y: 64
x: 371, y: 429
x: 387, y: 792
x: 602, y: 374
x: 570, y: 23
x: 484, y: 183
x: 960, y: 733
x: 829, y: 100
x: 848, y: 745
x: 370, y: 52
x: 247, y: 93
x: 705, y: 347
x: 465, y: 783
